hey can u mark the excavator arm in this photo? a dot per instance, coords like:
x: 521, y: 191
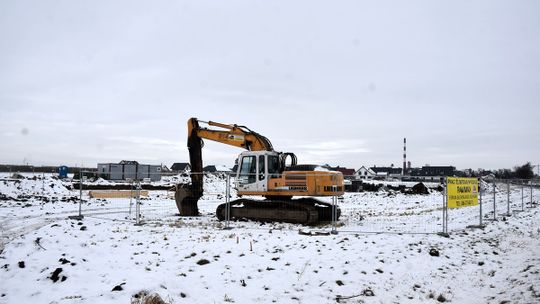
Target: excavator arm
x: 233, y: 135
x: 187, y: 196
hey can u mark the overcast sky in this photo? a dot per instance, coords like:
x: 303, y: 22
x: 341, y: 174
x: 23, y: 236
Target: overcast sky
x: 337, y: 82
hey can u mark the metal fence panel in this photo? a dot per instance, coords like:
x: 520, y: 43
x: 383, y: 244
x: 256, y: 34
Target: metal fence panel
x: 392, y: 206
x: 369, y: 207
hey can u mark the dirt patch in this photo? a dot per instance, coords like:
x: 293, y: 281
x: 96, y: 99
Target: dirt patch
x: 55, y: 276
x: 419, y: 188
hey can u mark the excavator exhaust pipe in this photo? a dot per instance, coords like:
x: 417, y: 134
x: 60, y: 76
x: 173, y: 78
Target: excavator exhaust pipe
x: 186, y: 200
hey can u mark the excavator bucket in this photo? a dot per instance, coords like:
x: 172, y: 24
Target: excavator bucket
x: 186, y: 200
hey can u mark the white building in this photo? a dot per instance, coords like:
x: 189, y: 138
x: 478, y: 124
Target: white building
x: 129, y: 170
x: 364, y: 173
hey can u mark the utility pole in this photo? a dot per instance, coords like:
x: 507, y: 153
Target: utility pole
x: 404, y: 156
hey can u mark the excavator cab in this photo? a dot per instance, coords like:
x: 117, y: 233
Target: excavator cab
x: 267, y: 173
x: 255, y: 168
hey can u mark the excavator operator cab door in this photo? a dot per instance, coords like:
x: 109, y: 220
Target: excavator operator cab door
x: 253, y: 171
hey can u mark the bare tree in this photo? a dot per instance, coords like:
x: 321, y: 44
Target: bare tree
x: 525, y: 171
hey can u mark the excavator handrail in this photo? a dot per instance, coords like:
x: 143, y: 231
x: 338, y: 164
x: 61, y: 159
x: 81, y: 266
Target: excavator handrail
x: 227, y: 126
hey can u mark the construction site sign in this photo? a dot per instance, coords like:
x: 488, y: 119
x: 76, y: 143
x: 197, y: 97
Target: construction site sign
x: 461, y: 192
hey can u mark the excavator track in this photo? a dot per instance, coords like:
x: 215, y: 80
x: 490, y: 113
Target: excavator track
x: 307, y: 211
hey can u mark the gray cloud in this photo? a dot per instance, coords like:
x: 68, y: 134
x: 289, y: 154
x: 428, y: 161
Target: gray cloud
x: 341, y: 83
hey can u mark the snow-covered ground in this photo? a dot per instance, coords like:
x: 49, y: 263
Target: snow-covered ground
x: 48, y: 258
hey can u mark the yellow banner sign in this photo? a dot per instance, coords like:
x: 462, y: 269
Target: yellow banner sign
x: 462, y: 192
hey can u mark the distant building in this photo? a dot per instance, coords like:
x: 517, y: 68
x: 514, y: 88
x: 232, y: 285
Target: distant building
x: 129, y: 170
x: 347, y: 173
x: 386, y: 172
x: 181, y: 167
x: 364, y: 173
x: 432, y: 173
x: 438, y: 170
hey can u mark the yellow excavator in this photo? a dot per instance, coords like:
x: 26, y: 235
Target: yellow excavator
x: 261, y: 172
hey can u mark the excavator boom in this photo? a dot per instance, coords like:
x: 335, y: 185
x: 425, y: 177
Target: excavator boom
x: 238, y: 136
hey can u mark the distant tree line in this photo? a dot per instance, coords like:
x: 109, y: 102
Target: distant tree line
x: 523, y: 172
x: 519, y: 172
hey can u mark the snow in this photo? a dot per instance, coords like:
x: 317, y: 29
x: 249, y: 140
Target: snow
x: 100, y: 181
x: 265, y: 263
x: 222, y: 168
x: 321, y: 169
x: 36, y: 185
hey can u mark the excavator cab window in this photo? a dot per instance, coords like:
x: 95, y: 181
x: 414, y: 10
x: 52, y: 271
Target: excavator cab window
x: 273, y: 166
x: 262, y: 175
x: 248, y: 170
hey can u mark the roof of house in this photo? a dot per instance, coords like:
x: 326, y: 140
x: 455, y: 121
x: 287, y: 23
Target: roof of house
x: 343, y: 170
x: 210, y: 168
x: 367, y: 169
x: 128, y: 162
x: 180, y: 166
x: 389, y: 170
x: 214, y: 168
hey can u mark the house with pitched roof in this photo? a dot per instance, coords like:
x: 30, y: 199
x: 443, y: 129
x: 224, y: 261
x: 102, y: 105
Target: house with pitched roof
x: 181, y: 167
x: 364, y: 173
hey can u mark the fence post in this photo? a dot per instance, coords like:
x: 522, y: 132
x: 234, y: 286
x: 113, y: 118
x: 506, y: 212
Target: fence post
x: 80, y: 216
x: 446, y: 205
x: 494, y: 201
x: 228, y: 203
x: 445, y: 210
x: 131, y: 198
x: 480, y: 190
x: 508, y: 198
x: 334, y: 211
x: 138, y: 205
x: 522, y: 197
x: 531, y: 194
x: 81, y: 183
